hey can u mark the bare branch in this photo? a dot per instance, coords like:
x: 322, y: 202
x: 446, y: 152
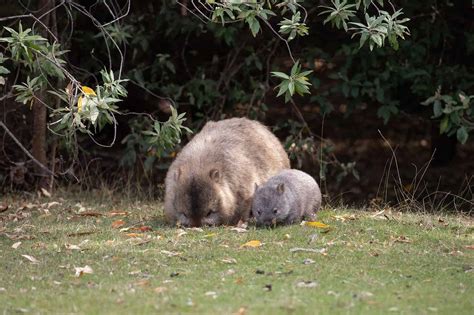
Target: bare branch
x: 24, y: 149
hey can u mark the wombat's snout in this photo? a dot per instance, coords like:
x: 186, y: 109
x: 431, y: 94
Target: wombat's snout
x: 266, y: 221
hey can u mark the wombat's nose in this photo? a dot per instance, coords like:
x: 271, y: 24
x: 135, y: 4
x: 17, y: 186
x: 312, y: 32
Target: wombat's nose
x: 196, y: 223
x: 268, y: 221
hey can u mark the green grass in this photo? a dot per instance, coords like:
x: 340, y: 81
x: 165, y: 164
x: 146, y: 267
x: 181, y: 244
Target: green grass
x: 409, y: 264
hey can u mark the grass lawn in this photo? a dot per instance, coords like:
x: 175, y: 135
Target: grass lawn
x: 366, y: 262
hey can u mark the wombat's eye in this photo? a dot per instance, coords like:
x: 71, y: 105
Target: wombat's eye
x: 259, y: 212
x: 275, y: 210
x: 209, y: 212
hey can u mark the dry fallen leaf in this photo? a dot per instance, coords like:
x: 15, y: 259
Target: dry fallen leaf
x: 45, y: 192
x: 83, y: 270
x: 253, y: 243
x: 170, y: 254
x: 135, y: 272
x: 142, y: 283
x: 469, y: 246
x: 117, y: 224
x: 72, y: 247
x: 143, y: 228
x: 16, y: 245
x: 239, y: 229
x: 195, y: 229
x: 241, y: 311
x: 242, y: 224
x: 400, y: 239
x: 52, y: 204
x: 134, y: 234
x: 32, y: 259
x: 322, y: 251
x: 315, y: 224
x: 211, y: 294
x: 306, y: 284
x: 344, y: 217
x: 3, y: 207
x: 160, y: 289
x: 117, y: 213
x: 109, y: 242
x: 380, y: 215
x: 181, y: 232
x: 89, y: 214
x: 364, y: 295
x: 308, y: 261
x: 229, y: 260
x: 29, y: 206
x: 81, y: 233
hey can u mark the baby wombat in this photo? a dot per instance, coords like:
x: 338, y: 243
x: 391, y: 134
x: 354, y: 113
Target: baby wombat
x: 212, y: 180
x: 286, y: 198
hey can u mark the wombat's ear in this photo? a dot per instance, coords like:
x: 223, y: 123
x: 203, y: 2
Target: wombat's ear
x: 177, y: 174
x: 215, y: 175
x: 281, y: 188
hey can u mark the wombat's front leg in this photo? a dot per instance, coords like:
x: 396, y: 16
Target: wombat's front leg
x: 243, y: 210
x: 292, y: 218
x: 310, y: 216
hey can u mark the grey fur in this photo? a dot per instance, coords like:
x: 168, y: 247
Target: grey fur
x: 286, y: 198
x: 212, y: 179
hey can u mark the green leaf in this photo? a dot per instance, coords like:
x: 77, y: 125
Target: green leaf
x: 291, y: 87
x: 295, y: 69
x: 280, y: 75
x: 254, y: 25
x: 377, y: 39
x: 283, y: 88
x: 363, y: 38
x: 393, y: 41
x: 444, y: 125
x: 437, y: 109
x: 4, y: 70
x: 462, y: 135
x: 386, y: 112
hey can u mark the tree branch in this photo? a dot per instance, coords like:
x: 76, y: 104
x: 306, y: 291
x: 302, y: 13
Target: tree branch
x: 24, y: 149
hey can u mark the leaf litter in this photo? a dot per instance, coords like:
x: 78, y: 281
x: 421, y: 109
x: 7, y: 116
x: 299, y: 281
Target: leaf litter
x: 306, y: 284
x: 229, y: 260
x: 253, y: 243
x: 31, y: 259
x: 80, y: 271
x: 315, y: 224
x: 322, y: 251
x: 118, y: 224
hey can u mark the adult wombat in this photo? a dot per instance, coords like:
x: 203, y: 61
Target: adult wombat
x: 286, y: 198
x: 212, y: 179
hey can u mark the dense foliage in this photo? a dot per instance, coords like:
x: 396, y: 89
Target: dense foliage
x: 216, y: 59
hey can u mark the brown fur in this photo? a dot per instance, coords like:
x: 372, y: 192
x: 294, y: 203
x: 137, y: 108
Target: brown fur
x: 213, y: 178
